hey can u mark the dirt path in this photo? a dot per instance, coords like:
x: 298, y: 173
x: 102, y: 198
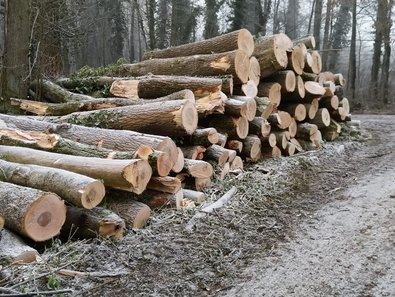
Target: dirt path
x: 347, y: 248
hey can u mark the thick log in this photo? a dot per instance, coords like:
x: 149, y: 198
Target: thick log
x: 75, y: 188
x: 313, y: 90
x: 259, y: 126
x: 252, y: 148
x: 195, y: 196
x: 155, y: 86
x: 129, y: 175
x: 316, y: 65
x: 331, y: 103
x: 322, y: 118
x: 271, y: 152
x: 250, y: 109
x: 57, y: 144
x: 13, y: 250
x: 58, y: 109
x: 227, y: 84
x: 93, y: 82
x: 235, y: 145
x: 91, y: 223
x: 217, y: 153
x: 270, y: 90
x: 193, y: 152
x: 280, y: 119
x: 198, y: 168
x: 255, y: 71
x: 339, y: 114
x: 121, y: 140
x: 234, y: 127
x: 298, y: 111
x: 234, y: 62
x: 170, y: 118
x: 306, y: 131
x: 54, y: 93
x: 339, y: 80
x: 237, y: 163
x: 296, y: 61
x: 286, y: 79
x: 179, y: 164
x: 30, y: 212
x: 134, y: 213
x: 167, y: 184
x: 308, y: 41
x: 240, y: 108
x: 156, y: 199
x: 159, y: 161
x: 241, y: 39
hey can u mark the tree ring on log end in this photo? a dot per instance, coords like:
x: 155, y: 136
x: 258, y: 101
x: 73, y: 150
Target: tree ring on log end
x: 45, y: 217
x: 138, y: 175
x: 242, y: 66
x: 189, y: 117
x: 242, y: 127
x: 245, y: 42
x: 93, y: 194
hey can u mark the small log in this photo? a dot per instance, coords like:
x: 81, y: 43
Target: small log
x: 331, y: 132
x: 286, y: 79
x: 202, y: 183
x: 237, y: 163
x: 204, y: 137
x: 120, y: 140
x: 251, y: 106
x: 193, y: 152
x: 248, y: 89
x: 252, y: 148
x: 222, y: 139
x: 316, y: 65
x: 272, y: 91
x: 306, y: 131
x: 299, y: 92
x: 235, y: 145
x: 1, y: 224
x: 280, y: 119
x: 331, y: 103
x: 195, y: 196
x: 91, y: 223
x: 129, y: 175
x: 210, y: 104
x: 289, y: 149
x: 255, y: 71
x: 239, y: 108
x: 264, y: 107
x: 306, y: 76
x: 339, y: 80
x: 223, y: 171
x: 298, y: 111
x: 259, y: 126
x: 322, y: 118
x: 241, y: 39
x: 30, y: 212
x: 94, y: 82
x: 134, y: 213
x: 339, y: 114
x: 344, y: 103
x: 209, y: 209
x: 313, y: 90
x: 159, y: 161
x: 75, y: 188
x: 218, y: 154
x: 312, y: 108
x: 298, y: 146
x: 167, y: 184
x: 339, y: 92
x: 170, y: 118
x: 330, y: 88
x: 308, y: 41
x: 282, y: 139
x: 57, y: 144
x: 155, y: 86
x: 234, y: 62
x: 13, y: 250
x: 269, y: 141
x: 234, y: 127
x: 198, y: 168
x: 293, y: 128
x: 296, y: 61
x: 271, y: 152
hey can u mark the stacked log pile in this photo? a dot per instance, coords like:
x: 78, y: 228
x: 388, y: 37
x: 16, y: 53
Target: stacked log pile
x: 177, y: 119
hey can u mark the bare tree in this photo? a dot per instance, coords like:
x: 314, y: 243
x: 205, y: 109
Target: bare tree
x: 291, y: 23
x: 317, y: 22
x: 327, y: 29
x: 352, y: 69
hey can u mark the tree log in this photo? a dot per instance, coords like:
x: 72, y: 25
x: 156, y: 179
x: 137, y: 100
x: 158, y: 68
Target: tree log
x: 306, y: 131
x: 252, y: 148
x: 313, y: 90
x: 286, y: 79
x: 325, y: 76
x: 271, y: 152
x: 90, y: 223
x: 299, y: 92
x: 218, y: 154
x: 339, y: 80
x: 282, y: 139
x: 179, y: 164
x: 203, y: 136
x: 159, y: 161
x: 121, y: 140
x: 290, y: 149
x: 129, y: 175
x: 234, y: 127
x: 269, y: 141
x: 170, y: 118
x: 241, y: 106
x: 241, y: 39
x: 237, y: 163
x: 322, y: 118
x: 331, y: 103
x: 198, y: 168
x: 210, y: 104
x: 195, y: 196
x: 193, y: 152
x: 272, y: 91
x: 232, y: 62
x: 344, y: 103
x: 264, y: 107
x: 155, y: 86
x: 308, y: 41
x: 13, y: 250
x: 296, y: 61
x: 316, y: 65
x: 259, y: 126
x: 222, y: 139
x: 248, y: 89
x: 312, y: 108
x: 202, y: 183
x: 94, y: 82
x: 330, y: 88
x: 331, y: 132
x: 255, y: 71
x: 33, y: 213
x: 235, y: 145
x: 306, y: 76
x: 75, y: 188
x: 167, y: 184
x: 298, y: 111
x: 134, y: 213
x: 280, y: 119
x: 293, y: 128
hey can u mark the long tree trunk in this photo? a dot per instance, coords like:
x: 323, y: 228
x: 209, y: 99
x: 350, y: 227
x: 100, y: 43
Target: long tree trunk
x: 317, y: 22
x: 326, y: 40
x: 33, y: 213
x: 352, y: 70
x: 75, y: 188
x: 129, y: 175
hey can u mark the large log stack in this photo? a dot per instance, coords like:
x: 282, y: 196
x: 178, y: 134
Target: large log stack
x: 177, y: 118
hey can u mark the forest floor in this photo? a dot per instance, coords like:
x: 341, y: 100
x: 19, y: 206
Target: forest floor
x: 317, y: 224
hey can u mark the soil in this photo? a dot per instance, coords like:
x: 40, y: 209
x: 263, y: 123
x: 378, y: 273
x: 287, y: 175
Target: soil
x: 317, y: 224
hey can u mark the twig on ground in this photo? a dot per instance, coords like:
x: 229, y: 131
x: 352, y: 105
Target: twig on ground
x: 38, y: 293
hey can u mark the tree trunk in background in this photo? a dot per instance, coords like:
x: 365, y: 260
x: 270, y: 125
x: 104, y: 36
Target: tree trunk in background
x: 237, y: 19
x: 352, y: 70
x: 291, y: 24
x: 311, y: 17
x: 276, y: 17
x: 163, y: 24
x: 16, y: 51
x: 385, y: 68
x: 340, y: 32
x: 267, y: 7
x: 151, y: 6
x: 378, y: 40
x: 317, y: 22
x: 327, y: 29
x: 182, y: 19
x: 211, y: 28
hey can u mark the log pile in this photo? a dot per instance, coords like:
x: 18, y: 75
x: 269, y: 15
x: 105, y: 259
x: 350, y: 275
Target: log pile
x: 178, y: 118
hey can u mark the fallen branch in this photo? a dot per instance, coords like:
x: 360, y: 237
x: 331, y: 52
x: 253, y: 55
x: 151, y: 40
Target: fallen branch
x: 210, y: 208
x: 38, y: 293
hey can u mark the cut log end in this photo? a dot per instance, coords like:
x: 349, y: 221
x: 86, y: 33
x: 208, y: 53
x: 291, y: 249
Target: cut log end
x: 45, y: 217
x: 242, y: 66
x: 187, y: 117
x: 245, y: 42
x: 138, y: 174
x: 179, y: 164
x: 93, y: 194
x: 242, y: 127
x: 255, y: 71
